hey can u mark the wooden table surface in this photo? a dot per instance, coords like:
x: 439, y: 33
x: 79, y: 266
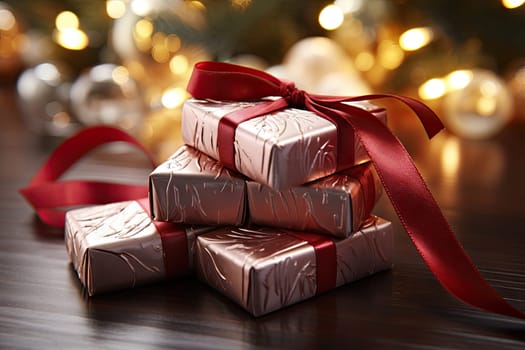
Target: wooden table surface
x: 479, y: 185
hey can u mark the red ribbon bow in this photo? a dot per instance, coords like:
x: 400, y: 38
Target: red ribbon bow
x: 414, y: 204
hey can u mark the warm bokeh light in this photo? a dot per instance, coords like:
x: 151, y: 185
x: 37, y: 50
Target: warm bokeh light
x: 349, y: 6
x: 415, y: 38
x: 450, y: 157
x: 173, y: 98
x: 487, y: 103
x: 331, y: 17
x: 120, y: 75
x: 364, y: 61
x: 7, y: 20
x: 173, y: 43
x: 179, y: 65
x: 389, y: 54
x: 458, y: 79
x: 141, y: 7
x: 115, y: 8
x: 66, y: 20
x: 432, y: 89
x: 144, y: 28
x: 160, y: 53
x: 512, y: 4
x: 71, y: 39
x: 142, y: 34
x: 486, y: 106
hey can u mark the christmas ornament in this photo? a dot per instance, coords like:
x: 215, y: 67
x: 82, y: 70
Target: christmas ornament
x: 481, y: 108
x: 43, y: 98
x: 342, y: 84
x: 311, y: 59
x: 10, y: 43
x: 106, y: 94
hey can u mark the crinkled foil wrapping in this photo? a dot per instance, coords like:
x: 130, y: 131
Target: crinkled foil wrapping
x: 282, y: 149
x: 116, y: 246
x: 333, y: 205
x: 264, y: 270
x: 192, y: 188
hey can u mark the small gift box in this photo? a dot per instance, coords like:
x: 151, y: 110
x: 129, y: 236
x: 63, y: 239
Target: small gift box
x: 264, y: 269
x: 337, y: 204
x: 192, y: 188
x: 117, y: 246
x: 282, y: 149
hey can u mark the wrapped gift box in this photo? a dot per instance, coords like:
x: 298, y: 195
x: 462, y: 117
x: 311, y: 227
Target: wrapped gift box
x: 192, y: 188
x: 264, y: 269
x: 337, y: 204
x: 116, y: 246
x: 282, y: 149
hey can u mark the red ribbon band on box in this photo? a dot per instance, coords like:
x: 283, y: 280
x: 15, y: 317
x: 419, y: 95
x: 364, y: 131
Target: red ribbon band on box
x: 325, y: 259
x: 174, y: 244
x: 414, y: 204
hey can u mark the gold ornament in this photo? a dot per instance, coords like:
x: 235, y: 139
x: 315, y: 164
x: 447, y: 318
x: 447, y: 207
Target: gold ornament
x: 106, y: 94
x: 320, y: 65
x: 480, y: 108
x: 43, y: 95
x: 311, y: 59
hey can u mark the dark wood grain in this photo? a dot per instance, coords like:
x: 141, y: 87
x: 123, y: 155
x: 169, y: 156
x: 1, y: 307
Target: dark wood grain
x: 478, y: 184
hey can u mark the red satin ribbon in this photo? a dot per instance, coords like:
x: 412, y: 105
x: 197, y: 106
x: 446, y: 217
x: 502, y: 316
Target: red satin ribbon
x: 174, y: 244
x: 325, y: 259
x: 50, y: 198
x: 417, y: 210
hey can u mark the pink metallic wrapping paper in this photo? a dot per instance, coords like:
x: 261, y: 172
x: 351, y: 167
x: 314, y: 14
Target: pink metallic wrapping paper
x: 336, y: 205
x: 282, y: 149
x: 264, y: 270
x: 117, y: 246
x: 192, y: 188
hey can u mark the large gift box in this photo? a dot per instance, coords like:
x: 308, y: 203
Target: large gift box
x: 337, y: 204
x: 285, y: 148
x: 116, y: 246
x: 191, y: 187
x: 265, y: 269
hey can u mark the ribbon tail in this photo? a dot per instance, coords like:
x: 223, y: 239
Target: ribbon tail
x: 76, y: 146
x: 50, y: 198
x: 421, y: 217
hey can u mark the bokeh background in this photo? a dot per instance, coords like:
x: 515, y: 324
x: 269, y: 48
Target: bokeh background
x: 127, y: 62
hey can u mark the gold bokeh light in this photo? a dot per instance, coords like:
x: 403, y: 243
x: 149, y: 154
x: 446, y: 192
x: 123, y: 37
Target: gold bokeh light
x: 331, y: 17
x: 416, y: 38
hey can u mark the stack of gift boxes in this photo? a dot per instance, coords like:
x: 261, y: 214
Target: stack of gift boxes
x: 286, y: 225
